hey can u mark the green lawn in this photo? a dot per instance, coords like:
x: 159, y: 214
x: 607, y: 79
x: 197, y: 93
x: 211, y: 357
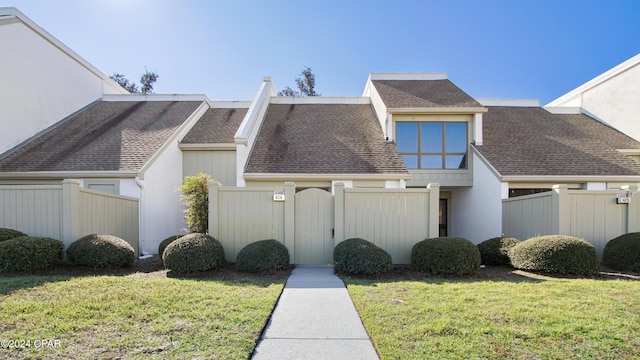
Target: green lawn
x: 105, y: 317
x: 470, y: 318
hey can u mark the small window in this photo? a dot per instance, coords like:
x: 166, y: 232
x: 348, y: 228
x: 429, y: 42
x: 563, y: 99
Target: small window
x: 109, y: 186
x: 523, y: 192
x: 433, y: 145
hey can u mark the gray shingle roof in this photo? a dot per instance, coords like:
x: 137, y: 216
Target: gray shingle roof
x: 108, y: 136
x: 216, y: 126
x: 532, y: 141
x: 422, y: 94
x: 323, y: 139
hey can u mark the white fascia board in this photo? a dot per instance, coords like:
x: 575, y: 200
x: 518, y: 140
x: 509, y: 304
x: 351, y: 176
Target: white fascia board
x: 510, y: 102
x: 320, y: 100
x: 562, y: 110
x: 561, y: 179
x: 634, y: 61
x: 408, y: 76
x: 195, y: 147
x: 180, y: 133
x: 478, y: 154
x: 157, y: 97
x: 12, y: 11
x: 438, y: 110
x: 69, y: 175
x: 629, y: 151
x: 255, y: 113
x: 295, y: 177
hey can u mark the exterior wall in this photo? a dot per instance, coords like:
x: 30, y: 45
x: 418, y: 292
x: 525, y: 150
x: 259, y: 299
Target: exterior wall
x: 476, y: 211
x: 219, y: 164
x: 611, y: 97
x: 41, y: 83
x: 616, y: 101
x: 161, y: 210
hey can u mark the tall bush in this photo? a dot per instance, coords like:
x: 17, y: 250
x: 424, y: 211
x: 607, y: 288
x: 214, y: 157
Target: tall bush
x: 195, y: 196
x: 555, y: 254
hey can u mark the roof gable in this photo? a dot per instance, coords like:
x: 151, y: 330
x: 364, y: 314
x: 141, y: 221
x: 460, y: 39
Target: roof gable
x: 422, y: 94
x: 108, y: 136
x: 323, y: 139
x: 530, y: 141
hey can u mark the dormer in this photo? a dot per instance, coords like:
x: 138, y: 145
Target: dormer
x: 431, y: 120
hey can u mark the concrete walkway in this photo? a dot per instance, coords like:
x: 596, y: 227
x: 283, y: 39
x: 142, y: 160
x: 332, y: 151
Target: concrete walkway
x: 314, y: 319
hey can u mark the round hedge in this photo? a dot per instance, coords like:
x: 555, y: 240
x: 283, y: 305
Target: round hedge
x: 555, y: 254
x: 359, y: 256
x: 445, y: 255
x: 101, y: 251
x: 7, y: 234
x: 263, y: 255
x: 623, y: 252
x: 30, y: 253
x: 164, y: 243
x: 495, y: 251
x: 193, y: 252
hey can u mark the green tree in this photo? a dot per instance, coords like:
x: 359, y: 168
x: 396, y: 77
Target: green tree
x: 195, y: 196
x: 147, y: 80
x: 305, y: 83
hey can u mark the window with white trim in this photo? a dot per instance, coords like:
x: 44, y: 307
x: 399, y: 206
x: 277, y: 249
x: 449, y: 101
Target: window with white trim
x: 432, y: 145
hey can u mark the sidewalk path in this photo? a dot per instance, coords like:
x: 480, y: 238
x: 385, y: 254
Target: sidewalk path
x: 314, y: 319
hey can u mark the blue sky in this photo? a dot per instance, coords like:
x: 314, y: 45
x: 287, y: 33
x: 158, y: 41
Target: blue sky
x: 491, y: 49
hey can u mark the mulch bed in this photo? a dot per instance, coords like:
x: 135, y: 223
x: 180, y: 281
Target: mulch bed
x: 153, y: 268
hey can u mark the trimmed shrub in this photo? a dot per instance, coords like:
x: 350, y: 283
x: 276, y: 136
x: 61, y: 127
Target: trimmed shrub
x: 194, y: 252
x: 101, y: 251
x: 445, y: 255
x: 555, y: 254
x: 30, y: 253
x: 495, y: 251
x: 359, y: 256
x: 623, y: 252
x: 7, y: 234
x: 263, y: 255
x: 164, y: 243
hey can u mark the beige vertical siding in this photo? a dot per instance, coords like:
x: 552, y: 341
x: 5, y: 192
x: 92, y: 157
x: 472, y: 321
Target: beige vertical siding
x: 220, y: 164
x: 35, y: 210
x: 392, y: 219
x: 106, y: 213
x: 247, y: 215
x: 527, y: 216
x: 314, y: 227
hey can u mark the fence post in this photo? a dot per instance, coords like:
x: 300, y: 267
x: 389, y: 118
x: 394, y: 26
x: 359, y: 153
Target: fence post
x: 434, y: 209
x: 338, y: 213
x: 633, y: 210
x: 214, y: 198
x: 560, y: 213
x: 70, y: 211
x: 289, y: 219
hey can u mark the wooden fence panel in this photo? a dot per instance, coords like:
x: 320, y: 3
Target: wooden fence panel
x: 111, y: 214
x: 35, y: 210
x: 527, y: 216
x: 247, y: 215
x: 392, y: 219
x: 595, y: 217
